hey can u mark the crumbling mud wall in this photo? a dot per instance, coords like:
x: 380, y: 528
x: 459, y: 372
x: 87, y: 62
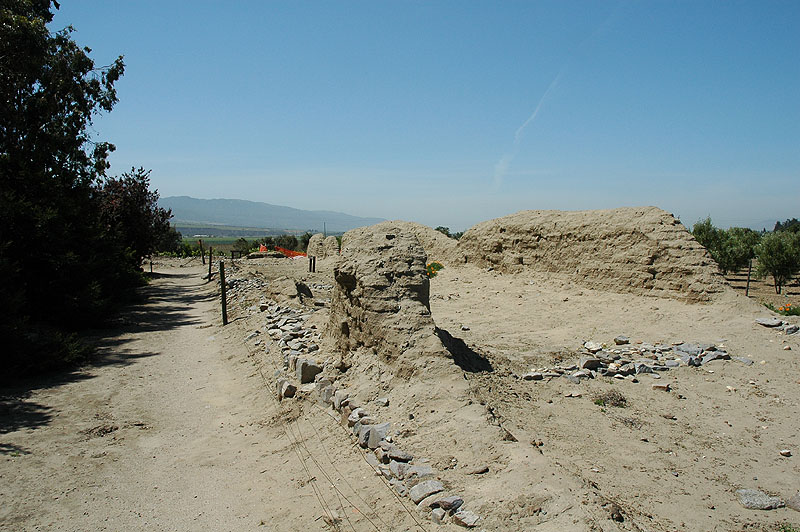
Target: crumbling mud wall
x: 437, y: 246
x: 330, y: 247
x: 321, y: 247
x: 640, y: 250
x: 315, y: 246
x: 381, y: 294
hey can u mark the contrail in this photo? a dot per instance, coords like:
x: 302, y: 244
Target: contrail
x: 502, y: 165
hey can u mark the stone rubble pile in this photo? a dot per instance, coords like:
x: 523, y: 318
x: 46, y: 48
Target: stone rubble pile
x: 626, y: 361
x: 408, y: 476
x: 779, y: 325
x: 303, y: 376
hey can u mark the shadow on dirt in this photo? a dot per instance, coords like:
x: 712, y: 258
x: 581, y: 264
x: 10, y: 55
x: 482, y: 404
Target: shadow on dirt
x: 464, y: 357
x: 162, y: 305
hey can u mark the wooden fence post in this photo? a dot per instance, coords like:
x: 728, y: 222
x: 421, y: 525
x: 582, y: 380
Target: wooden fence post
x: 202, y: 251
x: 210, y: 262
x: 749, y: 269
x: 222, y: 287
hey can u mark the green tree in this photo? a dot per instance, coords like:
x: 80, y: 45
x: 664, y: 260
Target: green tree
x: 444, y: 230
x: 734, y: 248
x: 244, y: 246
x: 130, y: 214
x: 707, y: 235
x: 55, y: 270
x: 303, y: 241
x: 779, y: 256
x: 792, y: 225
x: 289, y: 242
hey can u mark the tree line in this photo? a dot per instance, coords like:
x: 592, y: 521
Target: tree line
x: 777, y: 252
x: 72, y: 237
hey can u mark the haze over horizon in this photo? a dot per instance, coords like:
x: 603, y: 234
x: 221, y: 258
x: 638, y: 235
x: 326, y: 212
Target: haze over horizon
x: 451, y: 113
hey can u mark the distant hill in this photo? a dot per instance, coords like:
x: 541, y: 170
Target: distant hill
x: 252, y: 214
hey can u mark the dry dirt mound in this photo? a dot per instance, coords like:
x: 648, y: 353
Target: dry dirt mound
x: 381, y: 293
x: 437, y: 246
x: 639, y: 250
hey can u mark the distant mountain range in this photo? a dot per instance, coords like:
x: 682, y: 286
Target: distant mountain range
x: 202, y: 215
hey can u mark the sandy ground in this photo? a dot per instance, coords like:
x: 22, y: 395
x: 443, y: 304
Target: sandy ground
x: 176, y: 429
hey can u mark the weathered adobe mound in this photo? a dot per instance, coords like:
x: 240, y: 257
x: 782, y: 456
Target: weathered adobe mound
x: 321, y: 247
x: 315, y: 246
x: 436, y: 245
x: 330, y: 247
x: 381, y: 294
x: 640, y: 250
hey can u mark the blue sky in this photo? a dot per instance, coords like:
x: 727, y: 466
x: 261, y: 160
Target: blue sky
x: 450, y: 113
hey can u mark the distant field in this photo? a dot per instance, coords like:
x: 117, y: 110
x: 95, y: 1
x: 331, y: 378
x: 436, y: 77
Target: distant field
x: 229, y: 232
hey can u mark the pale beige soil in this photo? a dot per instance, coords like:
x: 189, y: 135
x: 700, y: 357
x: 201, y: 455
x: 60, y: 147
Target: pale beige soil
x: 174, y: 429
x: 200, y: 443
x: 669, y: 460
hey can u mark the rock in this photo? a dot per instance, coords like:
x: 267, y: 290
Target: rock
x: 689, y: 349
x: 399, y: 455
x: 437, y: 516
x: 377, y: 433
x: 589, y: 363
x: 326, y: 395
x: 480, y: 470
x: 622, y: 340
x: 744, y: 360
x: 465, y: 518
x: 641, y: 367
x: 427, y: 502
x: 399, y: 486
x: 769, y: 322
x: 533, y: 376
x: 592, y: 347
x: 664, y: 387
x: 424, y: 489
x: 306, y: 370
x: 758, y: 500
x: 785, y: 452
x: 288, y: 390
x: 354, y: 416
x: 338, y: 397
x: 791, y: 329
x: 464, y: 328
x: 453, y: 502
x: 690, y: 360
x: 794, y: 503
x: 672, y: 363
x: 714, y: 355
x: 787, y: 348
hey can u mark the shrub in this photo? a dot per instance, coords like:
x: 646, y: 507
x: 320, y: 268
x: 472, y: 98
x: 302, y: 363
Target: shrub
x: 779, y: 256
x: 433, y: 268
x: 611, y: 398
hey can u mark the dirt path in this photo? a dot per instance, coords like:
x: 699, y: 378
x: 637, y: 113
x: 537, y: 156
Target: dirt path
x: 174, y: 429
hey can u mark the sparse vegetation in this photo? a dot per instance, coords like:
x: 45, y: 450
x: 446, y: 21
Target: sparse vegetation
x: 785, y: 310
x: 611, y: 398
x: 433, y: 269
